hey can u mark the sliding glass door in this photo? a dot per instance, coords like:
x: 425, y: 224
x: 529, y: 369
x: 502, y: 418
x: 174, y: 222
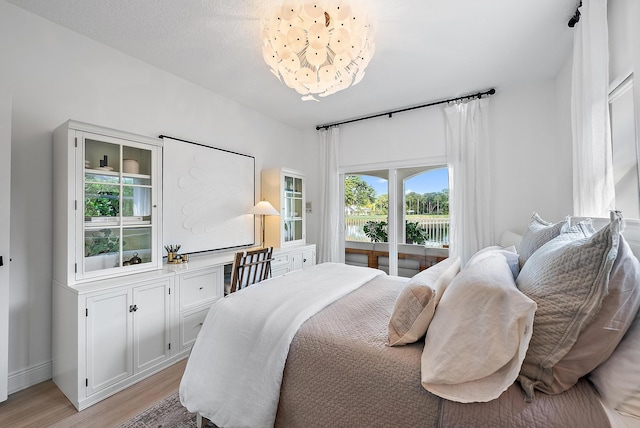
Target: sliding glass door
x: 396, y: 219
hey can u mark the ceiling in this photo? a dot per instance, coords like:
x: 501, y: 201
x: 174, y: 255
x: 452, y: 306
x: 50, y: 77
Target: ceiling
x: 426, y: 50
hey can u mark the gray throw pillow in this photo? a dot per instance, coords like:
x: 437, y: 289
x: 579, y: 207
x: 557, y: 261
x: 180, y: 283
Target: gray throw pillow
x: 568, y: 278
x: 538, y: 233
x: 600, y: 338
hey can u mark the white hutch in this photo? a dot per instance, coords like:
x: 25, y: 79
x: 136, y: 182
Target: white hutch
x: 119, y: 313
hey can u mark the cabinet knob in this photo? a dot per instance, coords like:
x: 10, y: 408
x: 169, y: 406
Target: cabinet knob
x: 304, y: 260
x: 133, y: 308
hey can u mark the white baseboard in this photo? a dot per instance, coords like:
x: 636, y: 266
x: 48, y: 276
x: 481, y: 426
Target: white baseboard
x: 30, y: 376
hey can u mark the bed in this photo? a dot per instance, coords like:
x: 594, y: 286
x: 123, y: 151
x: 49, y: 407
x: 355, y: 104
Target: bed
x: 320, y: 356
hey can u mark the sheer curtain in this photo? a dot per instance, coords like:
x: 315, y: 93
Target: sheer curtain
x: 468, y: 158
x: 329, y: 239
x: 593, y: 187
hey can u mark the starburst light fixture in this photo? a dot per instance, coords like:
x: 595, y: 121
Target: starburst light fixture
x: 317, y: 47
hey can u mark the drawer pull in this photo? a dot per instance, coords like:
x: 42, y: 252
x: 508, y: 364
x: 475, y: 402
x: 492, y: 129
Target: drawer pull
x: 201, y: 288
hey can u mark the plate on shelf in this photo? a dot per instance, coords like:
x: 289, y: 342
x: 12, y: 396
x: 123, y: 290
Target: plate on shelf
x: 104, y: 168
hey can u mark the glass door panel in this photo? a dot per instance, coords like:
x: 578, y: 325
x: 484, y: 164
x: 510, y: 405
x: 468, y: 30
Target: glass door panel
x: 297, y: 229
x: 101, y: 248
x: 101, y: 156
x: 118, y: 201
x: 102, y: 200
x: 136, y: 205
x: 136, y: 245
x: 136, y: 161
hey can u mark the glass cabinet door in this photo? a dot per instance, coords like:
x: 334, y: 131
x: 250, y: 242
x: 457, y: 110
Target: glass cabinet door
x: 117, y: 205
x: 293, y: 220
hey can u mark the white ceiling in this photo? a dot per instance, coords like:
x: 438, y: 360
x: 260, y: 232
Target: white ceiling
x: 426, y: 50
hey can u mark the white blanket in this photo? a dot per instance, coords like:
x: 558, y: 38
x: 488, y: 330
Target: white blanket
x: 234, y: 372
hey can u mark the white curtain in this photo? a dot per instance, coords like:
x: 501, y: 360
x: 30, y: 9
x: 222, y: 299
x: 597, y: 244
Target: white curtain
x: 329, y: 240
x: 593, y: 186
x: 468, y: 158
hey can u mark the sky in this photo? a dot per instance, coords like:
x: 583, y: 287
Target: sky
x: 432, y: 181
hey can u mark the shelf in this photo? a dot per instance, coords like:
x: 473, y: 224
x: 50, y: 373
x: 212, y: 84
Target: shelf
x: 102, y: 172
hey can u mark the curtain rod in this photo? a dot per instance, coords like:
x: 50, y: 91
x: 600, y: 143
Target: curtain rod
x: 391, y: 113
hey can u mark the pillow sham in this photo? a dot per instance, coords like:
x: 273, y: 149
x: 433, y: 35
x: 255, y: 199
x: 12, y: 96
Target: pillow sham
x: 618, y: 379
x: 510, y: 254
x: 599, y: 339
x: 568, y: 278
x: 538, y: 233
x: 479, y: 334
x: 416, y: 303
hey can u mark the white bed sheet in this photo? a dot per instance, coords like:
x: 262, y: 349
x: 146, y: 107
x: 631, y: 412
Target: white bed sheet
x: 234, y: 372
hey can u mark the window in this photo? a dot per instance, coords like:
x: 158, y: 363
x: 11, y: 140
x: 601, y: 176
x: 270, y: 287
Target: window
x: 404, y: 240
x: 625, y: 149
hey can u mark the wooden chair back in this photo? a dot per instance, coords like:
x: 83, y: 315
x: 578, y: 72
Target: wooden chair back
x: 250, y: 267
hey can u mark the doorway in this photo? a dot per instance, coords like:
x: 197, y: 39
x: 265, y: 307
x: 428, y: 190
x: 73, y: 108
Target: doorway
x: 396, y: 219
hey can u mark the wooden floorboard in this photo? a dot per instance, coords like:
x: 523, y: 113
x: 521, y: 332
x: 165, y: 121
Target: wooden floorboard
x: 44, y: 405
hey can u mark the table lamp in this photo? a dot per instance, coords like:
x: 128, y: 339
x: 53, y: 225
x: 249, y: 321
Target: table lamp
x: 262, y: 209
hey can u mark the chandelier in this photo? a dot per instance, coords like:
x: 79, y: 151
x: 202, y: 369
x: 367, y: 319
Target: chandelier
x: 317, y: 48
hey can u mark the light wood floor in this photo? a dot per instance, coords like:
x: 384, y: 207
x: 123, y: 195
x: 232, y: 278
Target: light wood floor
x: 44, y: 405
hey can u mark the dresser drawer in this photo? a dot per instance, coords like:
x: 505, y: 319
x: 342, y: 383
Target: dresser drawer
x: 190, y: 325
x: 280, y: 264
x: 199, y: 288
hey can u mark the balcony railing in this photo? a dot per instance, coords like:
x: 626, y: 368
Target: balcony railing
x: 437, y: 228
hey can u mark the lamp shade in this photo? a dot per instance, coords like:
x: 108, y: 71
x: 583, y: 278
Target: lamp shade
x: 264, y: 208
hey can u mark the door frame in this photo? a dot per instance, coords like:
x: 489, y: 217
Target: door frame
x: 5, y: 213
x: 394, y: 199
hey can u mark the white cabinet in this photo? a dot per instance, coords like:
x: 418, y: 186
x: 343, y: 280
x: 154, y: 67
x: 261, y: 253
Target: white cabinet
x: 285, y: 189
x: 109, y: 356
x: 304, y: 257
x: 151, y: 324
x: 197, y: 290
x: 292, y: 258
x: 109, y: 334
x: 281, y: 263
x: 107, y: 213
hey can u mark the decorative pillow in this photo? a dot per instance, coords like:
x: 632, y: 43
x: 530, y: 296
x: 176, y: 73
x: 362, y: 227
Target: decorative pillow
x: 600, y: 338
x: 618, y: 379
x: 537, y: 234
x: 568, y: 278
x: 416, y: 303
x: 479, y: 334
x: 509, y: 253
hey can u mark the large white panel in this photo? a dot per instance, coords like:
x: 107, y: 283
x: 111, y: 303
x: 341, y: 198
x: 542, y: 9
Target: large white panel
x: 207, y: 194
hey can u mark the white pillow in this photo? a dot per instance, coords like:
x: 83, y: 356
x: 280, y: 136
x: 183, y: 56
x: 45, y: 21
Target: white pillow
x: 618, y: 379
x: 509, y: 253
x: 479, y: 334
x: 416, y: 303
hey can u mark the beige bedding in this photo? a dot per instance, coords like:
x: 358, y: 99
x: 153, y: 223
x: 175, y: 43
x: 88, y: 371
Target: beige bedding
x: 340, y: 373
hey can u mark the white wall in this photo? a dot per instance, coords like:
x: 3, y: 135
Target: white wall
x: 55, y: 75
x: 532, y: 163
